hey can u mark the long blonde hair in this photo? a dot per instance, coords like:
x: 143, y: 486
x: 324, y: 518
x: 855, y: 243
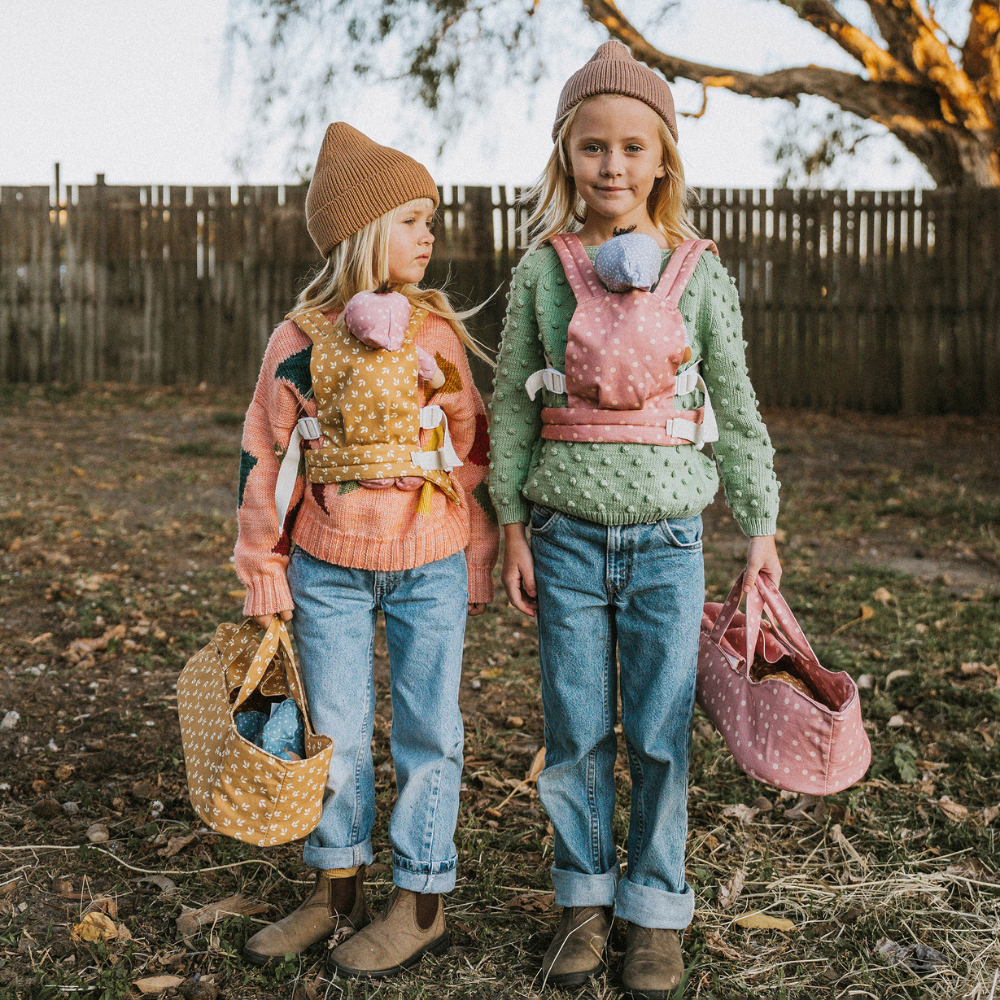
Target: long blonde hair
x: 360, y: 263
x: 558, y: 207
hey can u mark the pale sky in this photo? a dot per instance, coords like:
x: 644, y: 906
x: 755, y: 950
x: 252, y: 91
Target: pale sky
x: 140, y: 91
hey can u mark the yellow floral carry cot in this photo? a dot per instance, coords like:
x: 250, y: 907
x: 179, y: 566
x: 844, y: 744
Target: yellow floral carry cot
x: 236, y: 787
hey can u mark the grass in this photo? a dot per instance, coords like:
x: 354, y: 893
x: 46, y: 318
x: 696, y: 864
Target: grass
x: 908, y: 855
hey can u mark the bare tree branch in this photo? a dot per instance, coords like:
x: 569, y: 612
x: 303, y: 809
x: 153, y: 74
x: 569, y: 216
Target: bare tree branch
x: 981, y: 52
x: 908, y: 30
x: 881, y: 65
x: 847, y: 90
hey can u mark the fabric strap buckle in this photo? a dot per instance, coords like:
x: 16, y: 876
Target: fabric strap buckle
x: 444, y: 459
x: 551, y: 378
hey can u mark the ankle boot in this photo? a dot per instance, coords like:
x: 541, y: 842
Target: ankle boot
x: 653, y: 963
x: 411, y: 926
x: 577, y: 951
x: 333, y: 905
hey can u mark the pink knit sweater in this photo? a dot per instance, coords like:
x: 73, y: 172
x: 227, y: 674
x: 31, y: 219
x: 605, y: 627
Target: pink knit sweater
x: 346, y: 524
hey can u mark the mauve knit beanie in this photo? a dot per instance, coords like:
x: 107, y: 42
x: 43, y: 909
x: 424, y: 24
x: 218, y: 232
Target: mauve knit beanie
x: 357, y: 180
x: 612, y: 70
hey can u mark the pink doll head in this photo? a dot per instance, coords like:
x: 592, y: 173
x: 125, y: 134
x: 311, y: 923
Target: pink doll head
x: 378, y: 319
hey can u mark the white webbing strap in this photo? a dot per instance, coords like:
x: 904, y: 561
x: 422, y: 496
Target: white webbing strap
x: 708, y: 430
x: 288, y: 472
x: 444, y: 458
x: 551, y: 378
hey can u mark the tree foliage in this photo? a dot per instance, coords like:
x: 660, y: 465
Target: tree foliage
x: 940, y: 97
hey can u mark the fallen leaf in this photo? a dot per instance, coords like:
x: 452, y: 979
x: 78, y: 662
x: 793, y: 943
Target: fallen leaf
x: 176, y: 844
x: 743, y: 813
x: 896, y: 722
x: 882, y: 595
x: 729, y: 892
x: 490, y: 673
x: 232, y: 906
x: 64, y: 772
x: 166, y: 885
x: 894, y: 675
x: 866, y: 613
x: 801, y: 808
x: 866, y: 682
x: 95, y: 926
x: 762, y: 921
x: 715, y: 944
x: 515, y: 721
x: 157, y: 984
x: 79, y: 648
x: 990, y: 813
x: 917, y: 957
x: 537, y: 766
x: 40, y: 638
x: 953, y: 810
x: 239, y: 594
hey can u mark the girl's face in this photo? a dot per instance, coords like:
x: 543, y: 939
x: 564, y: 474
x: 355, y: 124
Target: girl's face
x: 410, y: 241
x: 615, y: 155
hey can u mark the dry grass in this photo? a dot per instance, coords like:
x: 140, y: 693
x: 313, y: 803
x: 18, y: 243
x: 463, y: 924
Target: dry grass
x: 115, y: 501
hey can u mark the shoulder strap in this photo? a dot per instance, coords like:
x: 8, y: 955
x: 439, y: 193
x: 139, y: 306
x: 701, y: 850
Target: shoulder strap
x: 579, y: 270
x: 311, y: 322
x: 679, y: 269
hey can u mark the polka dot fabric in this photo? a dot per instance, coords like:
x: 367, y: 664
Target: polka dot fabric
x: 622, y: 353
x: 776, y: 733
x: 235, y: 787
x: 368, y: 405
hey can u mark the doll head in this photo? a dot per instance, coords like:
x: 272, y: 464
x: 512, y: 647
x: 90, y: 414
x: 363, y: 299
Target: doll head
x: 629, y: 261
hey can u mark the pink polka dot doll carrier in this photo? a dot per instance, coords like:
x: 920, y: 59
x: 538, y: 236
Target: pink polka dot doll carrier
x: 787, y: 720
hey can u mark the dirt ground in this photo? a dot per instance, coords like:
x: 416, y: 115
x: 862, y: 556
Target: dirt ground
x: 116, y: 530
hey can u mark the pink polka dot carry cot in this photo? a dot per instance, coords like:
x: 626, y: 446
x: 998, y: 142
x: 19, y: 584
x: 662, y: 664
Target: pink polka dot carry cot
x: 236, y: 787
x: 752, y: 682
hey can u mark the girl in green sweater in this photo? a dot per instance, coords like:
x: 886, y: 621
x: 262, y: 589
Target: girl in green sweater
x: 600, y: 455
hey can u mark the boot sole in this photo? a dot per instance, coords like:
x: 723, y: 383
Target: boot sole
x: 256, y: 958
x: 436, y: 947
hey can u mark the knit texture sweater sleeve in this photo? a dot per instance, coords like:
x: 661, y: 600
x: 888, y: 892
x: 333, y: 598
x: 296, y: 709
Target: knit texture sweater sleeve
x: 743, y: 453
x: 516, y: 421
x: 279, y: 399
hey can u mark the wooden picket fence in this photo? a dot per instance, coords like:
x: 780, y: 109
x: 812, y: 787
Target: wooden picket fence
x: 876, y: 301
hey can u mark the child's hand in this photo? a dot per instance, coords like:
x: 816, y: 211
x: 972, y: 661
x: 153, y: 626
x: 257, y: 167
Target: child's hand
x: 518, y: 573
x: 762, y: 557
x: 264, y: 620
x: 476, y: 608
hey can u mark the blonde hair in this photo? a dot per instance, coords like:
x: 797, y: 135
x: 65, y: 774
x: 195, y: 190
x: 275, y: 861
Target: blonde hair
x: 558, y: 207
x: 360, y: 263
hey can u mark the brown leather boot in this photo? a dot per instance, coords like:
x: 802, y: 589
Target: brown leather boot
x: 411, y: 927
x: 333, y: 905
x: 577, y: 950
x: 653, y: 963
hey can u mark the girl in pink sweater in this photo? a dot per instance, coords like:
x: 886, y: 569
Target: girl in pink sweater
x: 392, y: 513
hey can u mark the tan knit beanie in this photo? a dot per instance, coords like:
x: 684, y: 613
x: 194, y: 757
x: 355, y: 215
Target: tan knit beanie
x: 612, y: 70
x: 357, y: 180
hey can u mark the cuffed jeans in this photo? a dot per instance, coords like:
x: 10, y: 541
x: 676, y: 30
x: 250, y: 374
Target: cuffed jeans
x: 425, y: 610
x: 608, y: 595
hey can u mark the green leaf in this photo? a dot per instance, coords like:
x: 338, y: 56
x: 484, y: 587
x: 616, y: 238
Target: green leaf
x: 905, y: 759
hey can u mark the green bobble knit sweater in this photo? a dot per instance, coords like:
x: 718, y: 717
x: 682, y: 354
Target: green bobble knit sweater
x: 627, y: 483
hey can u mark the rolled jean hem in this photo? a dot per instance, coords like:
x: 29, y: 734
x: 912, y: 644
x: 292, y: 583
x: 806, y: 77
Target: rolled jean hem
x: 423, y: 879
x: 582, y: 889
x: 649, y: 907
x: 337, y: 857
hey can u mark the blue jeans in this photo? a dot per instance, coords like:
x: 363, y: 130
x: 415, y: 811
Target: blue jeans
x: 425, y: 610
x: 629, y: 595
